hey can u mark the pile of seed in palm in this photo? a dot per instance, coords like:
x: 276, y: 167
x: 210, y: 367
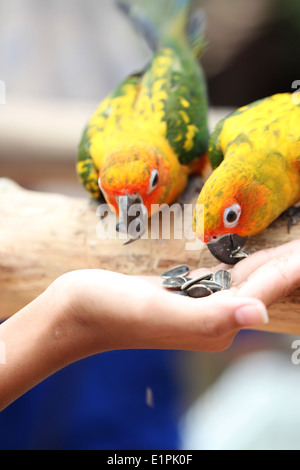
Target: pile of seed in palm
x: 177, y: 281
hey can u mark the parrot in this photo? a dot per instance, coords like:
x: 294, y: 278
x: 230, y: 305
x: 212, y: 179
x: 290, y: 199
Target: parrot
x: 151, y: 133
x: 255, y: 158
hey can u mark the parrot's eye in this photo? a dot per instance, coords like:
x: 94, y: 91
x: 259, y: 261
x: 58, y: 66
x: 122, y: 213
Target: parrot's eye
x: 153, y: 181
x: 232, y: 215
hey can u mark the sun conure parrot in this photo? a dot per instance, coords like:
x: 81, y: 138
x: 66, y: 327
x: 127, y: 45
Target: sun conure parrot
x: 151, y: 132
x: 255, y: 155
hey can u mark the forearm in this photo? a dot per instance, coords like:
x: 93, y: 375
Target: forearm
x: 48, y: 334
x: 87, y: 312
x: 35, y: 343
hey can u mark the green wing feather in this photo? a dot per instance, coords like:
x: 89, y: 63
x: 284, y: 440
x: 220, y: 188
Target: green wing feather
x: 175, y: 75
x: 86, y: 170
x: 214, y: 149
x: 186, y: 112
x: 169, y: 25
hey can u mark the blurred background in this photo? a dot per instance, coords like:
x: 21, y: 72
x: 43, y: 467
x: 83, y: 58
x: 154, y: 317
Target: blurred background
x: 58, y: 59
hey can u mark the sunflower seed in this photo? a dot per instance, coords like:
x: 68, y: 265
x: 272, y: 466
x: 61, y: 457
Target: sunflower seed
x: 198, y: 291
x: 224, y: 278
x: 197, y: 280
x: 182, y: 270
x: 178, y: 282
x: 213, y: 286
x: 174, y: 282
x: 179, y: 292
x: 240, y: 255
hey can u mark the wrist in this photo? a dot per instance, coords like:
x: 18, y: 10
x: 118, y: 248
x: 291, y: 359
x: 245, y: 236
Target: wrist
x: 101, y: 311
x: 71, y: 328
x: 84, y: 326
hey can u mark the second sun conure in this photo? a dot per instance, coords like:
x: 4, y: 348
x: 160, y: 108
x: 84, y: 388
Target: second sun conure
x: 255, y: 153
x: 151, y: 132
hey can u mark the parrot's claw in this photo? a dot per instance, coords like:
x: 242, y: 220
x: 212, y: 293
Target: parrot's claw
x: 294, y: 217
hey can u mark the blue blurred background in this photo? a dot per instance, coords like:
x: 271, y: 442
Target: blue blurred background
x: 58, y: 59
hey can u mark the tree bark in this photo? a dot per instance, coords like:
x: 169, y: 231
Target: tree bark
x: 43, y: 236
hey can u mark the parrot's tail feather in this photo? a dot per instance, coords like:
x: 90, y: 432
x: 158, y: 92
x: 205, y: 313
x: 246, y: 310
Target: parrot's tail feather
x: 196, y: 32
x: 160, y: 20
x: 140, y: 22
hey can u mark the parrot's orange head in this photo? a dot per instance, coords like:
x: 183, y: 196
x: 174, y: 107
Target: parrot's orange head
x: 131, y: 180
x: 230, y: 207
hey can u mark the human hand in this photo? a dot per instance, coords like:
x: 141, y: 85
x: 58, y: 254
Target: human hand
x: 155, y: 318
x: 126, y: 312
x: 87, y: 312
x: 268, y: 275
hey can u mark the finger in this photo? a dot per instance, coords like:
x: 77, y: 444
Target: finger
x: 243, y: 269
x: 276, y: 279
x: 227, y: 311
x: 208, y: 324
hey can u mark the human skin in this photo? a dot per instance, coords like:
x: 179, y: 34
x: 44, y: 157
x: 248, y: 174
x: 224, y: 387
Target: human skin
x: 90, y: 311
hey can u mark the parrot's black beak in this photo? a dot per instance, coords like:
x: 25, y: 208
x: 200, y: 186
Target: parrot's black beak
x: 133, y: 216
x: 228, y: 248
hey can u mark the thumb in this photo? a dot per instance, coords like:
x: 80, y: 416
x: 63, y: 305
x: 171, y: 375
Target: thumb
x: 208, y: 324
x: 225, y: 312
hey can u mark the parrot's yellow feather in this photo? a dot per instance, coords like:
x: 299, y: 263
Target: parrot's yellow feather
x: 260, y: 171
x: 153, y: 127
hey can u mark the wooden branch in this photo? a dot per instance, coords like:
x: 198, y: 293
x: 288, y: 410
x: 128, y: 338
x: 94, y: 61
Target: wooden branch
x: 45, y: 235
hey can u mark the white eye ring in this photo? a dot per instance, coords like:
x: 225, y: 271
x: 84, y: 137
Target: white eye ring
x: 153, y: 181
x: 232, y: 215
